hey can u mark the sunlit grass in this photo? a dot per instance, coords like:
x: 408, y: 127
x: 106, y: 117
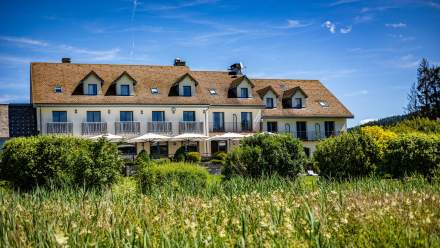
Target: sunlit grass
x: 241, y: 212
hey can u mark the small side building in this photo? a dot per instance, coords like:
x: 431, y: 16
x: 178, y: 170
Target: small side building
x: 4, y: 124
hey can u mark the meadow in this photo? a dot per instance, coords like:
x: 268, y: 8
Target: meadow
x: 271, y: 212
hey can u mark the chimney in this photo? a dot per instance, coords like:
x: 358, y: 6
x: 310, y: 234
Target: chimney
x: 236, y: 69
x: 179, y: 62
x: 65, y: 60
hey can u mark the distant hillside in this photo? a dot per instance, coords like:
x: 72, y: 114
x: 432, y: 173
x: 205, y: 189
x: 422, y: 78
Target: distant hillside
x: 385, y: 122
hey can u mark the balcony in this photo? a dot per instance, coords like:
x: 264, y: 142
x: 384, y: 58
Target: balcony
x: 93, y: 128
x: 234, y: 127
x: 159, y: 127
x: 190, y: 127
x: 128, y: 127
x: 59, y: 127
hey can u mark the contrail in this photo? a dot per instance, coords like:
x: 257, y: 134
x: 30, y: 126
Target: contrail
x: 133, y: 14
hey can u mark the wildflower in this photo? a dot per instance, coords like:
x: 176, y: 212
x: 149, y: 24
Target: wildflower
x: 61, y: 238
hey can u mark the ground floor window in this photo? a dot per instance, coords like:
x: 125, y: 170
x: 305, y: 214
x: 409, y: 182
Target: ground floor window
x: 127, y: 152
x: 159, y: 149
x: 219, y: 146
x: 191, y: 146
x: 272, y: 126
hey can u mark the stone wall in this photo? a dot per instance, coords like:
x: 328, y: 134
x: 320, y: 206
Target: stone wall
x: 4, y: 121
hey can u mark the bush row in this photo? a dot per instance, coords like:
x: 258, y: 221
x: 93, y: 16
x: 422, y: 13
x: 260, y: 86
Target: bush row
x: 61, y: 160
x: 373, y: 150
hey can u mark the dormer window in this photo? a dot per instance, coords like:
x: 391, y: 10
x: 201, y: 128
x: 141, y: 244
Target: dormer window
x: 244, y: 92
x: 186, y: 90
x: 241, y: 88
x: 58, y: 89
x: 269, y: 102
x: 125, y: 90
x: 154, y: 91
x: 92, y: 89
x: 298, y: 103
x: 213, y: 92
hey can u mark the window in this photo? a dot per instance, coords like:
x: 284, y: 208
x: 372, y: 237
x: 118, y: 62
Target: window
x: 58, y: 89
x: 272, y: 126
x: 189, y: 116
x: 154, y: 91
x: 219, y: 122
x: 92, y: 89
x: 246, y: 121
x: 269, y: 102
x: 244, y: 93
x: 287, y: 128
x: 59, y: 116
x: 158, y: 116
x: 323, y: 103
x: 298, y: 103
x: 159, y: 149
x: 213, y: 92
x: 301, y: 130
x: 126, y: 116
x: 186, y: 90
x: 125, y: 90
x: 93, y: 116
x: 329, y: 127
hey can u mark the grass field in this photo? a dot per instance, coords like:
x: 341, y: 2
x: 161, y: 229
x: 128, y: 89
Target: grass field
x: 241, y: 212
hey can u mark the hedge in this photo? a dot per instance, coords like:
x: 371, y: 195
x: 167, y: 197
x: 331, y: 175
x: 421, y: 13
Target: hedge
x: 413, y: 153
x: 348, y: 155
x: 61, y: 160
x: 263, y: 154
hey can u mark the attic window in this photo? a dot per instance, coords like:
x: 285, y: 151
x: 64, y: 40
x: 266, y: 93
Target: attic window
x: 58, y: 89
x: 323, y: 103
x: 154, y: 91
x: 213, y: 92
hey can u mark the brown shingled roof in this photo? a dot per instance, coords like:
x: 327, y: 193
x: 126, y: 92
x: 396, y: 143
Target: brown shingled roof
x: 45, y: 76
x: 264, y: 90
x: 237, y: 81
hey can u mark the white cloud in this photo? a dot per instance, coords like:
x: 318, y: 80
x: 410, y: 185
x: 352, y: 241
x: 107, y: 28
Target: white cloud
x: 364, y: 121
x: 346, y: 30
x: 363, y: 18
x: 96, y: 55
x: 296, y: 24
x: 396, y: 25
x: 8, y: 98
x: 341, y: 2
x: 23, y: 40
x: 434, y: 4
x: 357, y: 93
x: 408, y: 61
x: 330, y: 26
x: 181, y: 5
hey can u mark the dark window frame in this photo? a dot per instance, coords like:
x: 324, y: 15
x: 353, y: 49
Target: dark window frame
x: 246, y: 95
x: 156, y: 114
x: 187, y: 114
x: 122, y: 86
x: 95, y: 116
x: 185, y: 91
x: 59, y: 116
x: 125, y: 114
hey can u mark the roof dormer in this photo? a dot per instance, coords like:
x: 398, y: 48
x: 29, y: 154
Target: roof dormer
x: 122, y: 86
x: 241, y: 88
x: 294, y: 98
x: 184, y: 86
x: 90, y: 85
x: 269, y: 96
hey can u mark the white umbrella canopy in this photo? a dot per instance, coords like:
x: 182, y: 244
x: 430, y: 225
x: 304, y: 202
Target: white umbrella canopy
x: 189, y: 136
x: 108, y: 136
x: 227, y: 136
x: 150, y: 137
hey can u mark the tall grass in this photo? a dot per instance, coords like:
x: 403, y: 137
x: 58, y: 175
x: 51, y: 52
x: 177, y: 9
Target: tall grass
x: 240, y: 212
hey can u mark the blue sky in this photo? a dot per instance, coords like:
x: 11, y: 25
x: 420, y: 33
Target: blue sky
x: 365, y: 52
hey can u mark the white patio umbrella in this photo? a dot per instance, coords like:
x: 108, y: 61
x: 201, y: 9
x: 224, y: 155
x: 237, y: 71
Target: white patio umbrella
x: 110, y: 137
x: 148, y: 137
x: 227, y: 136
x: 189, y: 137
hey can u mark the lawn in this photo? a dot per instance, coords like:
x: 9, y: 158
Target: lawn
x: 240, y: 212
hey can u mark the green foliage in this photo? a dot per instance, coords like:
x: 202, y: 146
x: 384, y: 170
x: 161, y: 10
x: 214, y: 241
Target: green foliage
x: 27, y: 162
x: 220, y: 155
x: 264, y: 154
x: 381, y: 136
x: 423, y: 125
x: 142, y: 160
x: 217, y: 161
x: 177, y: 175
x: 413, y: 154
x: 347, y: 155
x: 193, y: 157
x: 161, y: 161
x: 179, y: 155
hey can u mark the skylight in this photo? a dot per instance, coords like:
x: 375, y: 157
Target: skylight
x: 323, y: 103
x: 58, y: 89
x: 154, y: 90
x: 213, y: 92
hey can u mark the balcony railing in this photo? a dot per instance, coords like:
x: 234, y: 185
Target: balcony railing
x: 159, y: 127
x: 190, y: 127
x: 93, y: 128
x: 59, y: 127
x: 235, y: 127
x: 127, y: 127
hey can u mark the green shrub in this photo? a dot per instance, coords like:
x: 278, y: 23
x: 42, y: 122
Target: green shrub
x: 177, y: 175
x: 27, y: 162
x: 142, y: 160
x: 413, y: 154
x: 161, y: 161
x: 347, y: 155
x: 193, y: 157
x: 179, y: 155
x: 263, y: 154
x: 220, y: 155
x: 216, y: 161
